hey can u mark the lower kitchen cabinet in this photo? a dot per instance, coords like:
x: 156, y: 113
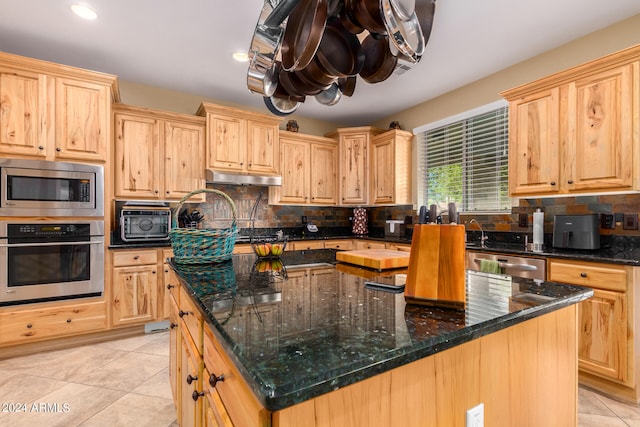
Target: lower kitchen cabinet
x: 134, y: 287
x: 214, y: 414
x: 140, y: 286
x: 368, y: 244
x: 190, y: 382
x: 37, y: 322
x: 607, y: 325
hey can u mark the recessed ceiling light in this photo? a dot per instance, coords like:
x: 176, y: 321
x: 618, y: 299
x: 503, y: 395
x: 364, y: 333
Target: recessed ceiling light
x: 84, y: 11
x: 240, y: 56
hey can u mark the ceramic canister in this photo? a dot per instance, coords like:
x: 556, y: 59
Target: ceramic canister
x: 359, y: 225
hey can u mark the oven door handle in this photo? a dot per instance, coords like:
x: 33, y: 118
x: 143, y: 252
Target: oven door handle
x: 523, y: 267
x: 25, y: 245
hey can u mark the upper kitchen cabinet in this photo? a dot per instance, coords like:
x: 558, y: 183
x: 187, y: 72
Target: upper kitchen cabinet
x: 54, y: 112
x: 353, y: 152
x: 391, y: 168
x: 375, y: 166
x: 577, y: 131
x: 157, y: 154
x: 240, y: 141
x: 308, y: 165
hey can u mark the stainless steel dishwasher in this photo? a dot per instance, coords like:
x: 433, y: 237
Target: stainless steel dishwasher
x: 513, y: 265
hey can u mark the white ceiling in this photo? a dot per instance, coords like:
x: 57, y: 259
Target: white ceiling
x: 186, y: 45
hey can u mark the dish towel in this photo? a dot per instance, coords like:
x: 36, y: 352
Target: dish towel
x: 490, y: 266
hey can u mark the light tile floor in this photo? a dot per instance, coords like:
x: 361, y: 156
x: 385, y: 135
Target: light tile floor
x: 126, y: 383
x: 116, y: 383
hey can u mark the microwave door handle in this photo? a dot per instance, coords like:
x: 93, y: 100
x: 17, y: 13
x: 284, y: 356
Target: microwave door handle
x: 24, y: 245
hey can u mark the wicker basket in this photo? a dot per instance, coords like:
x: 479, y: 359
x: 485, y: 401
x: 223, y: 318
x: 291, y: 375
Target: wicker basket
x: 197, y: 246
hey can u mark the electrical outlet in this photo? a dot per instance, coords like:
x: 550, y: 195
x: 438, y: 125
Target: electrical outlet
x: 619, y: 216
x: 630, y: 222
x: 475, y: 416
x: 607, y: 221
x: 523, y: 220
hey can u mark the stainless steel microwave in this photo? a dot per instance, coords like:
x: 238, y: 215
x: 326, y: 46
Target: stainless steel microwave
x: 45, y: 188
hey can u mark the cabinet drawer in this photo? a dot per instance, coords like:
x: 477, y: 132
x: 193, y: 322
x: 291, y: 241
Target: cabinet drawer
x: 191, y: 319
x: 66, y: 320
x: 398, y: 247
x: 243, y: 249
x: 240, y: 403
x: 601, y: 276
x: 307, y: 245
x: 343, y: 245
x: 214, y: 414
x: 121, y: 259
x: 360, y: 244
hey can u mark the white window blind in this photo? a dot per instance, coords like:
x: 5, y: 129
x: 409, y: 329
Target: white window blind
x: 465, y: 161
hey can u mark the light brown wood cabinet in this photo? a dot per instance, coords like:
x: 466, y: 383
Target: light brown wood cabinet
x: 54, y: 112
x: 375, y: 166
x: 134, y: 291
x: 607, y: 324
x: 577, y: 131
x: 391, y: 168
x: 240, y: 141
x: 308, y: 165
x: 353, y: 157
x: 158, y: 155
x: 37, y: 322
x: 368, y: 244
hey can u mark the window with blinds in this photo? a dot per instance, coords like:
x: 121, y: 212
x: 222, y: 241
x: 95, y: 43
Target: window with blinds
x: 465, y: 161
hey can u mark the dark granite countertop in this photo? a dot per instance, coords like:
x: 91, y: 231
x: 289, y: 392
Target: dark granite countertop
x: 295, y: 336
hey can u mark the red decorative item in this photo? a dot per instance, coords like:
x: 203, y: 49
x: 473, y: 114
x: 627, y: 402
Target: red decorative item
x: 360, y: 226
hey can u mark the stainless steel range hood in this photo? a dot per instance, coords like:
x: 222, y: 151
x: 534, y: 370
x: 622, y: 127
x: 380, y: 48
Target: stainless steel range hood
x: 215, y: 177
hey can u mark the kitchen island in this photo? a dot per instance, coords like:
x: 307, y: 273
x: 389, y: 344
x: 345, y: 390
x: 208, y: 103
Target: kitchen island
x: 307, y: 342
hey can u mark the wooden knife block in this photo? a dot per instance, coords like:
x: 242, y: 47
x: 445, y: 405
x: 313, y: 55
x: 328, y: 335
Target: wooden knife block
x: 436, y: 272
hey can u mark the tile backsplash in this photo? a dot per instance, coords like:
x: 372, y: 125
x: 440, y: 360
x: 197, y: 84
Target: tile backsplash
x: 218, y: 212
x: 574, y: 205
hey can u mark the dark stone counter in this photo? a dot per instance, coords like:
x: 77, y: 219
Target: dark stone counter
x: 309, y: 328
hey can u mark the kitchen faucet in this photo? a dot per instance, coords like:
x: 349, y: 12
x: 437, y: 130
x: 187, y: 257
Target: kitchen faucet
x: 483, y: 238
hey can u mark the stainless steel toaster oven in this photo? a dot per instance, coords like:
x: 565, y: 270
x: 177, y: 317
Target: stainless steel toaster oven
x: 144, y: 223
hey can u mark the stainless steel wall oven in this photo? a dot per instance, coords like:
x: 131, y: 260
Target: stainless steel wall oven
x: 49, y: 260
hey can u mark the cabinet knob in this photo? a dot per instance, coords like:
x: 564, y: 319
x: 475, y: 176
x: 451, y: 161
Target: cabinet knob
x: 58, y: 149
x: 191, y: 378
x: 156, y: 191
x: 570, y: 181
x: 167, y: 191
x: 29, y: 326
x: 173, y: 325
x: 136, y: 257
x: 195, y: 395
x: 583, y: 274
x: 40, y: 147
x: 153, y: 272
x: 170, y: 286
x: 183, y: 313
x: 68, y: 320
x: 213, y: 380
x: 552, y: 183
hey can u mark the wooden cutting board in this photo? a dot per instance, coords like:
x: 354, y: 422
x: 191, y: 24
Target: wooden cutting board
x: 378, y: 259
x: 436, y: 273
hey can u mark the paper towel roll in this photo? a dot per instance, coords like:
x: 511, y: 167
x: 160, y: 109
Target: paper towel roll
x: 538, y: 230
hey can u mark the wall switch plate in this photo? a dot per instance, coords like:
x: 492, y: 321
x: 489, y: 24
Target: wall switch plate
x: 607, y: 221
x: 475, y: 416
x: 523, y: 220
x: 630, y: 222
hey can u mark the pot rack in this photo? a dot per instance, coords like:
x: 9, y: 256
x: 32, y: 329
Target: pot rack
x: 318, y: 48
